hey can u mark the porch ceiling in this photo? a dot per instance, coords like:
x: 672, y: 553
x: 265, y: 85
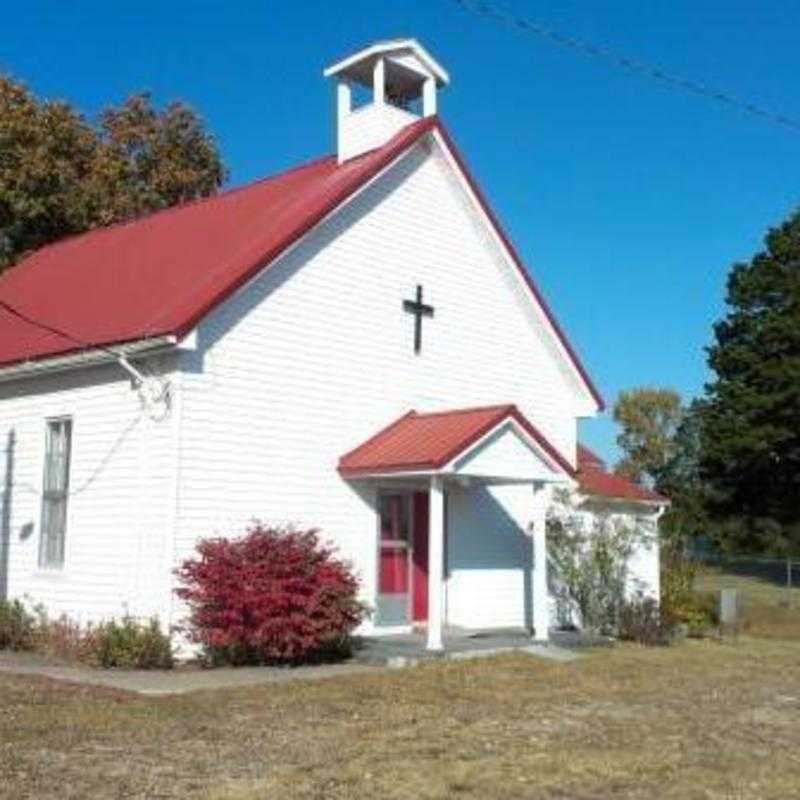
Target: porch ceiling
x: 494, y: 443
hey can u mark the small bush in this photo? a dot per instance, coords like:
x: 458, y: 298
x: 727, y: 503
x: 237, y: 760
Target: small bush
x: 275, y: 595
x: 17, y: 626
x: 639, y: 620
x: 62, y: 638
x: 678, y: 575
x: 698, y: 612
x: 128, y: 644
x: 680, y: 602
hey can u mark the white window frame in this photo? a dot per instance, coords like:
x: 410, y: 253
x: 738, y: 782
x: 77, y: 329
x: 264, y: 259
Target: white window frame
x: 52, y: 545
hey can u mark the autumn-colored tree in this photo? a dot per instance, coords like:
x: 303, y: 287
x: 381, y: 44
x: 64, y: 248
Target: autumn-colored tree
x: 649, y: 419
x: 681, y: 481
x: 46, y: 156
x: 61, y: 175
x: 149, y: 160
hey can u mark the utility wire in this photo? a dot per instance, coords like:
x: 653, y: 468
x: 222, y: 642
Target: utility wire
x: 84, y: 345
x: 15, y: 312
x: 96, y: 472
x: 139, y: 375
x: 489, y: 11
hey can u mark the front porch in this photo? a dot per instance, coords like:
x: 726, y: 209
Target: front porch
x: 436, y: 480
x: 407, y: 649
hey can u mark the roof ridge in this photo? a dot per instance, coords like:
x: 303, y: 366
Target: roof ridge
x: 470, y: 410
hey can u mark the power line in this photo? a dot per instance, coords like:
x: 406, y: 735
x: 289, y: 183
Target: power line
x: 50, y: 329
x: 144, y: 379
x: 635, y: 66
x: 138, y: 375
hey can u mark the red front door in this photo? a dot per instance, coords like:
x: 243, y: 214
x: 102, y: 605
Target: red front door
x: 419, y: 558
x: 393, y: 573
x: 403, y: 566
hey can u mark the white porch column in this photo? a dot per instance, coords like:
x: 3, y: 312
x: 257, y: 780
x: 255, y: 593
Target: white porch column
x: 435, y: 563
x: 540, y: 598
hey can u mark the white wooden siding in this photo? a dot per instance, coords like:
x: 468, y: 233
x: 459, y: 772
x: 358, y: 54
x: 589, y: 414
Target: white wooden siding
x: 489, y: 557
x: 118, y: 537
x: 644, y: 564
x: 296, y: 369
x: 505, y: 453
x: 317, y: 355
x: 369, y: 127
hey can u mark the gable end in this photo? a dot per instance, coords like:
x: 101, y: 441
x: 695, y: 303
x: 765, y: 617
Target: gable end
x: 485, y: 212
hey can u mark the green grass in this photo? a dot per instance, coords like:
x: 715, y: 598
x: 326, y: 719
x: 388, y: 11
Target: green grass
x: 700, y: 720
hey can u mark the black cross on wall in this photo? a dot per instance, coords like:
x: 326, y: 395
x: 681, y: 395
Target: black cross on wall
x: 419, y: 310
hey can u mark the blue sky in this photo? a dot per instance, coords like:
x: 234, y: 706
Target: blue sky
x: 629, y: 201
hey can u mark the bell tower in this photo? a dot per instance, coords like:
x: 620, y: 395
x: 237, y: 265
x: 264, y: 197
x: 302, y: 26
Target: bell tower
x: 400, y: 81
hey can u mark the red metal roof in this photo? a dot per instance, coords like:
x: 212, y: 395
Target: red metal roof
x: 588, y: 459
x: 161, y: 274
x: 422, y: 442
x: 594, y: 479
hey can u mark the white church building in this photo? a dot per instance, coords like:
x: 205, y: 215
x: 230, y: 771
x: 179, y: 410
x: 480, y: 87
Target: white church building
x: 353, y: 345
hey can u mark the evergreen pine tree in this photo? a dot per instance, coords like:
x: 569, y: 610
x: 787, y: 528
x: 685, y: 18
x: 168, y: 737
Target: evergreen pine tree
x: 750, y: 429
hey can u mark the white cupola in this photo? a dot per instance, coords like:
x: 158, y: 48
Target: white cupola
x: 400, y: 80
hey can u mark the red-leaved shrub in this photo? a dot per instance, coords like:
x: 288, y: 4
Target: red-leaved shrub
x: 273, y: 595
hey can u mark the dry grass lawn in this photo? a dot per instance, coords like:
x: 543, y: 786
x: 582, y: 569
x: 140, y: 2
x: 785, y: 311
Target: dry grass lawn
x: 701, y: 720
x: 769, y: 609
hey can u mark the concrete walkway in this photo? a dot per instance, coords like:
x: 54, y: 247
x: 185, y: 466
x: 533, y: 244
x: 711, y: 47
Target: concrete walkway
x: 176, y: 681
x: 374, y: 654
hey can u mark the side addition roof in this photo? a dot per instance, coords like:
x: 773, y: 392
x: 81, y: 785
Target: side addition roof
x: 594, y: 479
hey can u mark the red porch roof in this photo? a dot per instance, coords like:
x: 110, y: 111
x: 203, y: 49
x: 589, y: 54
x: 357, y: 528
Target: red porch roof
x: 423, y: 442
x: 595, y: 480
x: 161, y: 274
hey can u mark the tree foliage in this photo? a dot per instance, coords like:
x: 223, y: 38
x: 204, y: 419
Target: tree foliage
x: 680, y: 480
x: 649, y: 419
x: 61, y: 175
x: 750, y: 434
x: 660, y: 440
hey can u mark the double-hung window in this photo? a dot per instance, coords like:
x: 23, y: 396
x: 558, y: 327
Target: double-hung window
x: 55, y: 491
